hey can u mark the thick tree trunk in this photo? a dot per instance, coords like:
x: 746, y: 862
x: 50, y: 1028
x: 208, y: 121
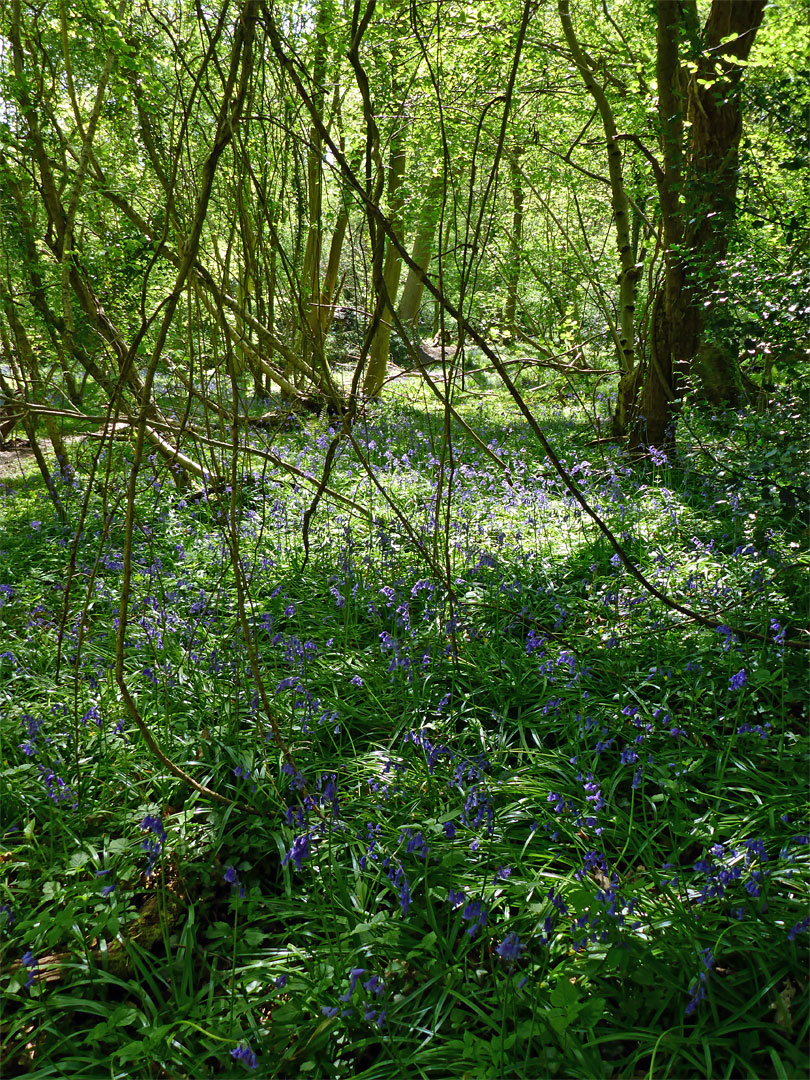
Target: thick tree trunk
x: 697, y: 187
x: 715, y: 115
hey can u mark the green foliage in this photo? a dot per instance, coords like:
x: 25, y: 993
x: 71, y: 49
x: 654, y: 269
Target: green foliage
x: 560, y: 830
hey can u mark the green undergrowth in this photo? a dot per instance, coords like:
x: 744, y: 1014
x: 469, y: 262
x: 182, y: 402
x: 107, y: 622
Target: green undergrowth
x: 532, y: 822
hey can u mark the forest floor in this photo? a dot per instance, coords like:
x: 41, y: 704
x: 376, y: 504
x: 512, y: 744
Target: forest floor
x: 494, y: 810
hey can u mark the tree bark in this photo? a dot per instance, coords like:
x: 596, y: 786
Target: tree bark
x: 697, y: 186
x: 515, y: 245
x: 629, y: 271
x: 421, y: 253
x: 381, y: 342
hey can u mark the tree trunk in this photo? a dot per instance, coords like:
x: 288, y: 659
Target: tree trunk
x: 312, y: 326
x: 697, y: 187
x: 421, y: 253
x: 515, y: 246
x: 330, y: 281
x: 715, y: 115
x: 629, y: 269
x: 380, y: 344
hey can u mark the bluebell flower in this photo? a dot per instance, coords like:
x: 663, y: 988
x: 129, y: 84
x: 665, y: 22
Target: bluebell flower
x: 800, y: 928
x: 354, y: 976
x: 29, y: 961
x: 330, y: 1011
x: 510, y: 948
x: 698, y: 991
x: 475, y: 913
x: 280, y: 982
x: 290, y: 683
x: 404, y: 895
x: 738, y: 681
x: 153, y: 845
x: 298, y: 852
x: 246, y: 1056
x: 374, y: 985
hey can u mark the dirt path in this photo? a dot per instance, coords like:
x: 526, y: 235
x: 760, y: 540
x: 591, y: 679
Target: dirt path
x: 16, y: 462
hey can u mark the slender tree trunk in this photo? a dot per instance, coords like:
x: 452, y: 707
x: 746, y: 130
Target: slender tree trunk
x: 421, y: 253
x: 515, y: 245
x: 629, y: 270
x: 380, y: 344
x: 312, y: 335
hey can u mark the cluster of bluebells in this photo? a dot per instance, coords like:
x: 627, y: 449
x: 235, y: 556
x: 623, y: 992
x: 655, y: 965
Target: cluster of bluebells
x: 153, y: 842
x: 569, y: 810
x: 319, y: 810
x: 723, y: 867
x: 610, y: 909
x: 698, y: 991
x: 56, y: 788
x: 322, y: 803
x: 510, y: 948
x: 473, y: 911
x: 32, y: 729
x: 368, y: 1004
x: 30, y: 963
x: 738, y: 681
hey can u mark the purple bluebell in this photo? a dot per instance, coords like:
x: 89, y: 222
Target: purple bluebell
x: 800, y: 928
x: 153, y: 844
x: 354, y: 977
x: 475, y: 913
x: 510, y: 948
x: 29, y: 961
x: 298, y: 852
x: 246, y: 1056
x: 738, y: 681
x: 698, y: 991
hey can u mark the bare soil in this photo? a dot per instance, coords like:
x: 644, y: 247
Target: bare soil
x: 16, y: 462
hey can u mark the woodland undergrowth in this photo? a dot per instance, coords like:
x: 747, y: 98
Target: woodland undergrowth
x: 532, y: 822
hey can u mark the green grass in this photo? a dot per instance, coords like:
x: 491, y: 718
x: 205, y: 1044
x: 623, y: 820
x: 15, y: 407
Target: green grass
x: 501, y: 713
